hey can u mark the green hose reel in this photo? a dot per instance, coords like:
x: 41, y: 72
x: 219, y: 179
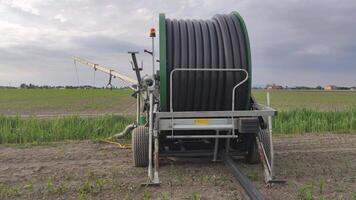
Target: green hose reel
x: 164, y: 60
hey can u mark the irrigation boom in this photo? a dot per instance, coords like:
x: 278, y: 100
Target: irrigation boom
x: 129, y: 81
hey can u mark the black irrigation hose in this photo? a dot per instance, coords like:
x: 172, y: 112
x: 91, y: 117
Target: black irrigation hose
x: 216, y: 43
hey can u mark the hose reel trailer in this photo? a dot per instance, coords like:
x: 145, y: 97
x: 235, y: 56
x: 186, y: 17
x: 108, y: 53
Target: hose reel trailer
x: 199, y: 102
x: 202, y: 104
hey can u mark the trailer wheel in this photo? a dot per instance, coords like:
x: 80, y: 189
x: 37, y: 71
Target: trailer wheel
x: 253, y: 156
x: 140, y: 146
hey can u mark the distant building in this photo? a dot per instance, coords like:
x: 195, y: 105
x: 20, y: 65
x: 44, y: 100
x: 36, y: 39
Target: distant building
x: 274, y: 87
x: 353, y: 89
x: 330, y: 87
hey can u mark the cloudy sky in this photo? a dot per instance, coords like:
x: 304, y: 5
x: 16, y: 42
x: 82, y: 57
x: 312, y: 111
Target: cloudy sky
x: 293, y: 42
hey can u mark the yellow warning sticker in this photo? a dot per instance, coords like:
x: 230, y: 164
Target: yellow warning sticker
x: 201, y: 121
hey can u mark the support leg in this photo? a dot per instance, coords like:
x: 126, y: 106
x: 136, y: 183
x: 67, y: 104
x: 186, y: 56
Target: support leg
x: 216, y: 147
x: 227, y: 146
x: 150, y: 133
x: 156, y: 159
x: 138, y: 112
x: 270, y: 135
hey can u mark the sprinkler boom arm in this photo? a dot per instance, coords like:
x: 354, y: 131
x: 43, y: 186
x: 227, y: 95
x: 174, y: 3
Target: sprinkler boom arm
x: 129, y: 81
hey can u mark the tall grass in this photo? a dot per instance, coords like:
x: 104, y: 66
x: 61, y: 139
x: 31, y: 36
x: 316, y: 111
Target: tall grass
x: 313, y: 121
x: 34, y: 130
x: 30, y: 130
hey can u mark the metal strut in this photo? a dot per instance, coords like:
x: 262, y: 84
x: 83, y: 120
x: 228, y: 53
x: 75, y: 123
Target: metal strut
x: 149, y: 82
x: 110, y: 78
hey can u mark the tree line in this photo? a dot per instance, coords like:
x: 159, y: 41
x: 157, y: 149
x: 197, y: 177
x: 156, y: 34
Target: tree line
x: 33, y: 86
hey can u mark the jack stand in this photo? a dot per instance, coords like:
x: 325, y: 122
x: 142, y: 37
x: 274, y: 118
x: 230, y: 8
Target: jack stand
x: 266, y: 166
x: 156, y: 158
x: 154, y: 180
x: 216, y: 148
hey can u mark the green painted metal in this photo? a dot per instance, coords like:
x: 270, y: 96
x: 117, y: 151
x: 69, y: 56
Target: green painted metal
x: 163, y: 62
x: 248, y: 50
x: 142, y: 120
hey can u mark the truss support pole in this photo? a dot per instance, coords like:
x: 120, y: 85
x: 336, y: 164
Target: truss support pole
x: 153, y: 56
x: 150, y: 133
x: 156, y: 159
x: 138, y: 104
x: 270, y: 135
x: 216, y: 147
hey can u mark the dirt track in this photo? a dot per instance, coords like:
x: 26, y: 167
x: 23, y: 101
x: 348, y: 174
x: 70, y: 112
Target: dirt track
x: 321, y: 166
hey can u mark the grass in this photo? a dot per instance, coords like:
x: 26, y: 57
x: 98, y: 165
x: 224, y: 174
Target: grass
x: 52, y: 188
x: 313, y: 121
x: 92, y: 187
x: 34, y: 130
x: 306, y: 193
x: 310, y: 191
x: 85, y: 187
x: 195, y: 196
x: 9, y: 191
x: 299, y: 112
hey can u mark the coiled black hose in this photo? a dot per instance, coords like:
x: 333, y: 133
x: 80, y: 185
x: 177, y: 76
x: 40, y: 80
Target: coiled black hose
x: 220, y: 42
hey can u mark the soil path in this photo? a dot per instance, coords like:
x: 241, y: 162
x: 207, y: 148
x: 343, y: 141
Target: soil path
x: 313, y: 165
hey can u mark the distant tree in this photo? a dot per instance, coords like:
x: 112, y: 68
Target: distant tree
x: 23, y: 85
x: 343, y: 88
x: 31, y: 86
x: 302, y: 88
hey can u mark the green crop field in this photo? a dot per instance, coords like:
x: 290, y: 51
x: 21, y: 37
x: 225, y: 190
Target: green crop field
x: 309, y: 99
x: 65, y: 101
x: 73, y: 101
x: 299, y: 112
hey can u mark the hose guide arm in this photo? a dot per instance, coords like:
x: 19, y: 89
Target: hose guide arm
x: 127, y: 80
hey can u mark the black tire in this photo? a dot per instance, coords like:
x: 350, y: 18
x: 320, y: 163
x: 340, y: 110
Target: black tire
x: 253, y: 156
x: 140, y: 146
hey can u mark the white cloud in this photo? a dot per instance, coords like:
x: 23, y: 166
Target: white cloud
x: 316, y: 50
x: 144, y: 13
x: 60, y: 18
x: 110, y: 6
x: 13, y: 34
x: 24, y: 5
x: 287, y: 36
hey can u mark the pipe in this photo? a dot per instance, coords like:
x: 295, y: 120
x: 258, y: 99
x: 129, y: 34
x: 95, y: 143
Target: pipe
x: 126, y: 131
